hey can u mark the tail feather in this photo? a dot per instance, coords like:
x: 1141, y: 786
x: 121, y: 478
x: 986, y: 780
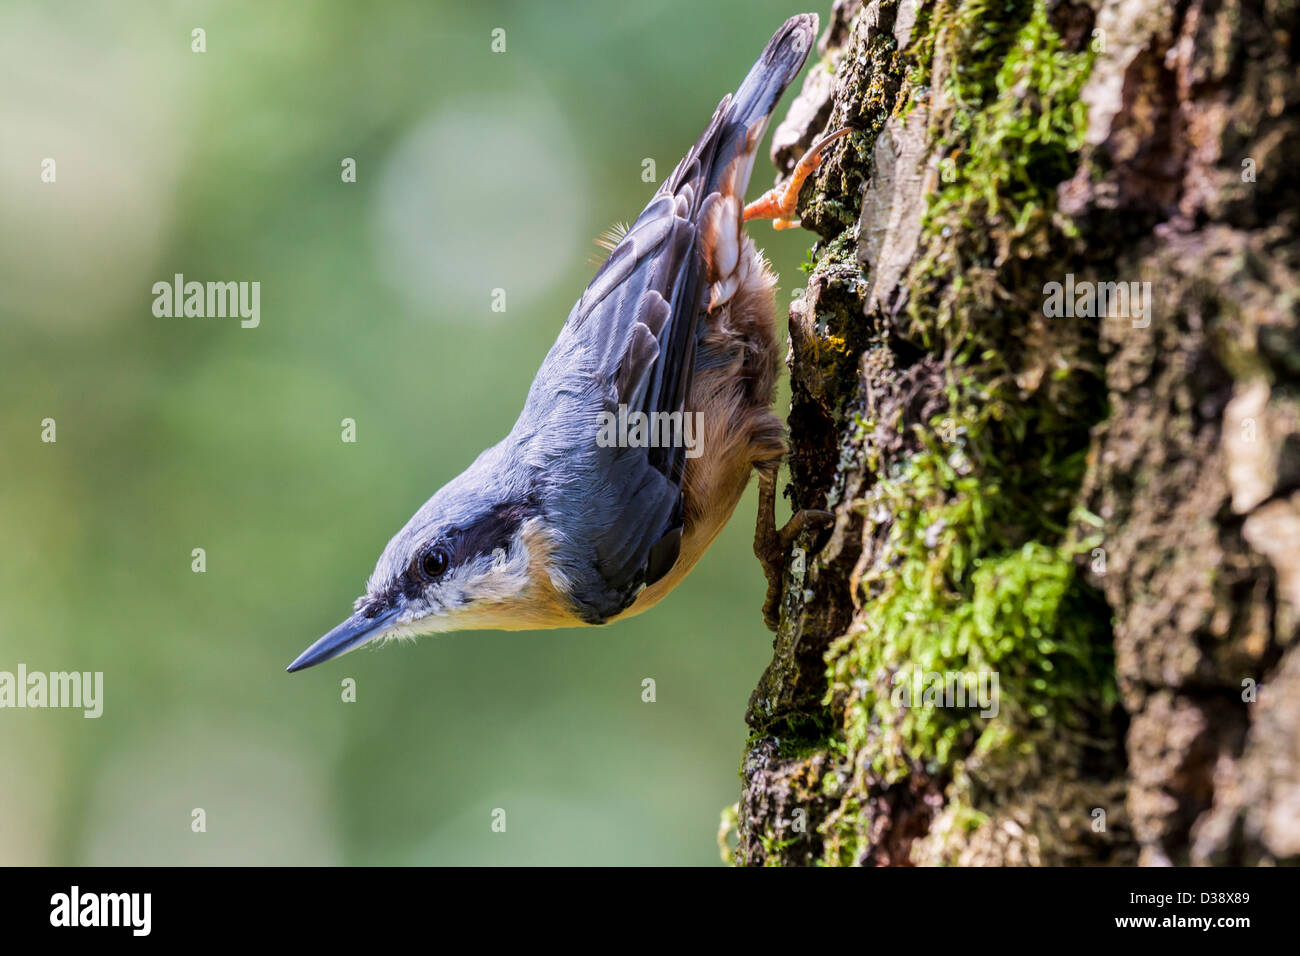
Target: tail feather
x: 776, y: 68
x: 632, y: 339
x: 741, y: 118
x: 745, y: 115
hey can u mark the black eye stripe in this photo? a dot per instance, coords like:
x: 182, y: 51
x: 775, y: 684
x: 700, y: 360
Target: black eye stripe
x: 494, y: 530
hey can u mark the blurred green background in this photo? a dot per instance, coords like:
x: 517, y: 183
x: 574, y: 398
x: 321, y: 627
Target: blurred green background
x: 475, y: 171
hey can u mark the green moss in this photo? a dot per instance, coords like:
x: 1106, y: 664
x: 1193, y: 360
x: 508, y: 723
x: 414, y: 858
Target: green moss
x: 798, y: 736
x: 772, y: 848
x: 1018, y: 617
x: 972, y: 519
x: 727, y: 825
x: 810, y: 261
x: 1012, y: 135
x: 977, y: 571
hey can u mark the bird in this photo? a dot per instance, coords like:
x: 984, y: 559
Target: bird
x: 567, y: 522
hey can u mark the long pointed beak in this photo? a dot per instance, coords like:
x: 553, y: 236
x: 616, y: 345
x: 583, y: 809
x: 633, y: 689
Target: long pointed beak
x: 348, y: 636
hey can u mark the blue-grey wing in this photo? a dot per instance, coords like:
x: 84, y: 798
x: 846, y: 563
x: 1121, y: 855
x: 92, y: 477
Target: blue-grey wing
x: 629, y: 345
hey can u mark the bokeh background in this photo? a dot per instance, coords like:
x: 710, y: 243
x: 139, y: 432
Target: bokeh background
x: 475, y: 171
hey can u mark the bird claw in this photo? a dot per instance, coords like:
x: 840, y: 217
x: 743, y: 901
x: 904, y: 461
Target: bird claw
x: 772, y: 545
x: 800, y: 521
x: 779, y: 203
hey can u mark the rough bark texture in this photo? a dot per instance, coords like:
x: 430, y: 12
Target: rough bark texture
x: 1099, y: 505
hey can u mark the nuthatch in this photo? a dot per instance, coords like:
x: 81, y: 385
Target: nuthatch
x: 554, y: 527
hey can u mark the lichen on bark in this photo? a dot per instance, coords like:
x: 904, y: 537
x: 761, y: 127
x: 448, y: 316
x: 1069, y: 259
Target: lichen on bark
x: 1063, y: 504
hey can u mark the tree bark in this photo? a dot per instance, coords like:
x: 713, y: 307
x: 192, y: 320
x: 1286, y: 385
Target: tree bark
x: 1081, y: 505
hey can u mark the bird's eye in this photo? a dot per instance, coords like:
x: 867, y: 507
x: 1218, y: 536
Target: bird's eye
x: 433, y: 563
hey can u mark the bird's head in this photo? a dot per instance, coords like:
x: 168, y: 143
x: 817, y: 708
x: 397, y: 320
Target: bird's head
x: 465, y: 560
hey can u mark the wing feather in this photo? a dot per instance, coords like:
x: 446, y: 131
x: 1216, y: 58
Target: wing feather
x: 631, y: 341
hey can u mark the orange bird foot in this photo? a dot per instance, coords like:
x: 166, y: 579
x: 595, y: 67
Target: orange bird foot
x: 779, y: 204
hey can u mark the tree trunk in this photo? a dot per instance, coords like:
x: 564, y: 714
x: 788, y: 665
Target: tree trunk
x: 1045, y: 376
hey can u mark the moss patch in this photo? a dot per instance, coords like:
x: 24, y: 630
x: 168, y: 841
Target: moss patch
x: 951, y: 435
x: 972, y: 575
